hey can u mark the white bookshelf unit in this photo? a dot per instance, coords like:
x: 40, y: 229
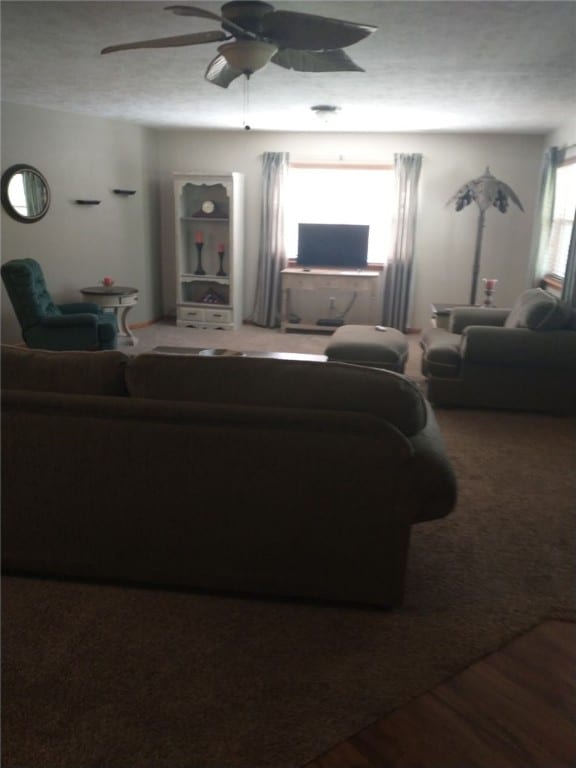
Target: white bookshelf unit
x: 209, y: 210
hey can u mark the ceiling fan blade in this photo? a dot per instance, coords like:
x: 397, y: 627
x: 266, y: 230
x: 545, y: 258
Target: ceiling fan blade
x: 190, y: 10
x: 196, y: 38
x: 315, y: 61
x: 307, y: 32
x: 219, y: 72
x: 228, y: 24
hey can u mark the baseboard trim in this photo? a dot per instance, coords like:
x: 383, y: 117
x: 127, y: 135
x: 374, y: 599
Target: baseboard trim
x: 136, y: 326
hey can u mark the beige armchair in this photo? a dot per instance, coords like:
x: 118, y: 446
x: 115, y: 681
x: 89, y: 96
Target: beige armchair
x: 521, y: 358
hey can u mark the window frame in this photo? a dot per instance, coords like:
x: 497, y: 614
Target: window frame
x: 549, y: 279
x: 342, y: 166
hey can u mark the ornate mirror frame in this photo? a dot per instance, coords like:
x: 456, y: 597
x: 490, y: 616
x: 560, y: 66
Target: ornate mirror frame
x: 30, y: 192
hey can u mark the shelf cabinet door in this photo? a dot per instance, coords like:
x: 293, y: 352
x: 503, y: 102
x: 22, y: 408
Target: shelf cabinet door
x: 209, y: 240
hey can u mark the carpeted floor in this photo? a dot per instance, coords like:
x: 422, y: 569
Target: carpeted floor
x: 249, y: 337
x: 109, y: 677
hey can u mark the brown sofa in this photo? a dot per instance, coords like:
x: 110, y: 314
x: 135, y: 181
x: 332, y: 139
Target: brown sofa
x: 245, y: 475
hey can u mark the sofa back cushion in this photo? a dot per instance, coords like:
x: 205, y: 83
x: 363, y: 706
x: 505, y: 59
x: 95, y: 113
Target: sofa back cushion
x: 279, y: 383
x: 540, y: 311
x: 80, y: 373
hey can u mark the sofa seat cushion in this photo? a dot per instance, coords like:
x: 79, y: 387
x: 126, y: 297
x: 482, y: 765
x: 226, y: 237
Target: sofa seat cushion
x: 441, y: 353
x: 540, y: 311
x: 79, y: 373
x: 271, y: 382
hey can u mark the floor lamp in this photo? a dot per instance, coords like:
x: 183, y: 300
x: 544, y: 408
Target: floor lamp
x: 485, y: 191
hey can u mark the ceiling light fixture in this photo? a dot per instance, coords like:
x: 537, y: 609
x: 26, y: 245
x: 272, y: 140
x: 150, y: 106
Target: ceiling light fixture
x: 325, y: 112
x: 247, y: 56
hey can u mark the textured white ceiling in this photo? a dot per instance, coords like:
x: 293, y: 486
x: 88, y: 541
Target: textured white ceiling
x: 431, y: 66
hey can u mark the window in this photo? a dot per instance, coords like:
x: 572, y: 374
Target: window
x: 562, y: 220
x: 342, y: 195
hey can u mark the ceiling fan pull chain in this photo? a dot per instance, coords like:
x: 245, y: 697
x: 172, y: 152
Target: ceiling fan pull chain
x: 246, y: 100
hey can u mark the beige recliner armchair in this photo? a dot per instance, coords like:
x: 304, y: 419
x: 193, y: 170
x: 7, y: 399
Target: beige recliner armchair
x: 521, y: 358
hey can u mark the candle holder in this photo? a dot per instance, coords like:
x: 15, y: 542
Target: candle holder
x: 221, y: 272
x: 489, y: 288
x: 199, y: 269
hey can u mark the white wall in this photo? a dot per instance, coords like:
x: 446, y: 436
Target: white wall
x: 84, y: 157
x: 564, y: 136
x: 445, y: 239
x: 131, y: 238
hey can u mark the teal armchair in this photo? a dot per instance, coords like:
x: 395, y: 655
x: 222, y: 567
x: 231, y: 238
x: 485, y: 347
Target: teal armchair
x: 46, y: 325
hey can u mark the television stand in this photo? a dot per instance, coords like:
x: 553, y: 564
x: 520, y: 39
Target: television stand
x: 335, y: 280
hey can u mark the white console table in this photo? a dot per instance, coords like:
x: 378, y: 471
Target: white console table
x: 337, y: 280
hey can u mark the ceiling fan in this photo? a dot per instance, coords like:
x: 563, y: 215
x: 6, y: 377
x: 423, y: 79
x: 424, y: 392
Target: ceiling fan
x: 259, y: 34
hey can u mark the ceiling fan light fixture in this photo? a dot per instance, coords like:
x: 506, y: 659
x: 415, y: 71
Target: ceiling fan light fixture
x: 247, y: 56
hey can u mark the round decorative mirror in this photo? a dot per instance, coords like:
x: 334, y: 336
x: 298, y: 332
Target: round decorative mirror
x: 25, y: 193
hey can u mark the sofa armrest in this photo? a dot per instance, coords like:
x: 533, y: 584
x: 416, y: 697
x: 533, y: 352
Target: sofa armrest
x: 461, y: 317
x: 518, y: 347
x: 80, y: 307
x: 435, y: 493
x: 69, y: 321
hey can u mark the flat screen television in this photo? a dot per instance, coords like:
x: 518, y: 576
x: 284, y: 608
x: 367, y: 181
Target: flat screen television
x: 333, y: 245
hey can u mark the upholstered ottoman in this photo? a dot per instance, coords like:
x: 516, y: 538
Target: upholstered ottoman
x: 367, y: 345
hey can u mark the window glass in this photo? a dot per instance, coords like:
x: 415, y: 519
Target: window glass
x: 342, y: 196
x: 562, y: 220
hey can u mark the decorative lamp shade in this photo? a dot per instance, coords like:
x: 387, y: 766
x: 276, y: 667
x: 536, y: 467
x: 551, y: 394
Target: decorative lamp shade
x: 247, y: 56
x: 487, y: 192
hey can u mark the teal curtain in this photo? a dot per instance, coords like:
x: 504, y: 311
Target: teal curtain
x: 399, y: 272
x: 569, y: 287
x: 544, y: 210
x: 272, y: 252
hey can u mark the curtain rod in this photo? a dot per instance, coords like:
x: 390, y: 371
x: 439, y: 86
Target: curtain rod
x: 340, y: 164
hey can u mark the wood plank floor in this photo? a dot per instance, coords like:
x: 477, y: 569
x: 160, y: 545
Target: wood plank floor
x: 516, y: 708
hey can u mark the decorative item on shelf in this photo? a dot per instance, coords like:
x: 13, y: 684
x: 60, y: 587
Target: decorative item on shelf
x: 209, y: 209
x: 221, y: 251
x: 489, y: 288
x: 87, y: 202
x: 125, y: 192
x: 199, y: 238
x: 108, y: 282
x: 485, y: 191
x: 212, y: 297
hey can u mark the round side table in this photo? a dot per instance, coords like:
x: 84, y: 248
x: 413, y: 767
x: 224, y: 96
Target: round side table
x: 120, y: 299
